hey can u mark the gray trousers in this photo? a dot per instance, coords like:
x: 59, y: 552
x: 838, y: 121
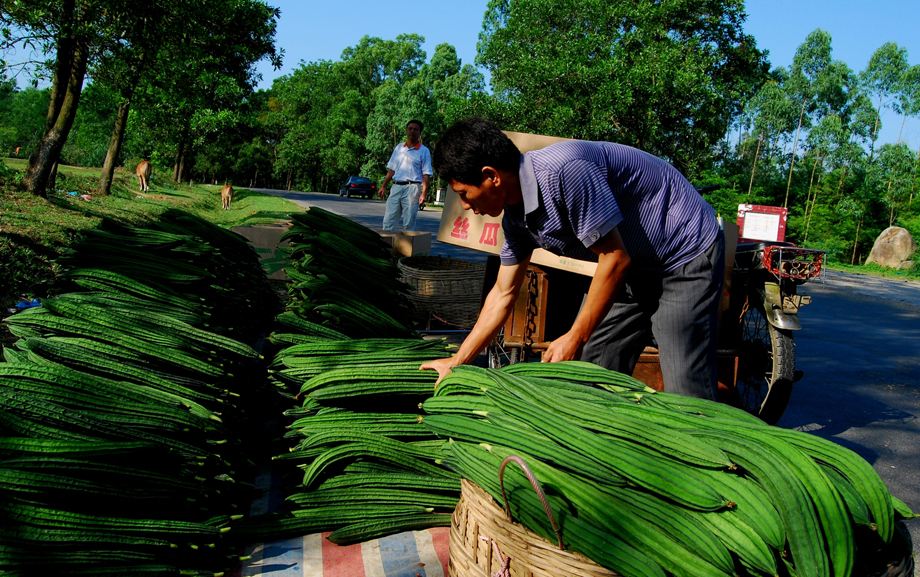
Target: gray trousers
x: 680, y: 310
x: 402, y: 207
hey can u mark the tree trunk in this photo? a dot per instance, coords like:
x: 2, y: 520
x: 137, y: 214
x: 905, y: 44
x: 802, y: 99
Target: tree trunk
x: 754, y: 165
x: 913, y: 181
x: 795, y: 144
x: 179, y: 168
x: 856, y: 240
x: 901, y: 130
x: 878, y: 119
x: 115, y: 142
x: 891, y: 211
x: 843, y: 178
x: 70, y: 71
x: 182, y: 151
x: 811, y: 184
x: 808, y: 211
x: 66, y: 47
x: 52, y: 178
x: 118, y: 131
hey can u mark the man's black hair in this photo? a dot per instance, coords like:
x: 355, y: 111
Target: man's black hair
x: 470, y: 144
x: 421, y: 127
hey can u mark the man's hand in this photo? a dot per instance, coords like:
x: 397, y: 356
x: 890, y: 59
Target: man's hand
x: 443, y: 366
x: 565, y: 348
x: 421, y: 200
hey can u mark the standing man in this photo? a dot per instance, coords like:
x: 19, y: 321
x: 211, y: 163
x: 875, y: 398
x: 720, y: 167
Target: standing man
x: 409, y: 168
x: 658, y: 246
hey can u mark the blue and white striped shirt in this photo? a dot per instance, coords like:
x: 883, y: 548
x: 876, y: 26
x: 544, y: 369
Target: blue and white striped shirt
x: 575, y: 192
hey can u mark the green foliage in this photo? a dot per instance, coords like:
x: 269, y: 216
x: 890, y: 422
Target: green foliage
x: 22, y: 118
x: 342, y: 118
x: 10, y: 177
x: 666, y: 77
x: 911, y: 222
x: 89, y: 138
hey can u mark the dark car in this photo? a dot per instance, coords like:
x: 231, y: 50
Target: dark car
x: 358, y: 186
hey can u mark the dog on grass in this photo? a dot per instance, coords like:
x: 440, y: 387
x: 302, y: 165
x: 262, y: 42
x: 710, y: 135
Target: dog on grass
x: 226, y: 196
x: 142, y: 170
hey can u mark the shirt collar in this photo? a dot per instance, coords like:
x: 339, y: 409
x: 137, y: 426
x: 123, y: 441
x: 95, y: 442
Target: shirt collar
x: 415, y: 146
x: 528, y: 180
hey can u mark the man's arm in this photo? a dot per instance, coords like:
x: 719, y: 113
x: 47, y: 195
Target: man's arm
x: 383, y: 185
x: 612, y: 263
x: 424, y: 194
x: 496, y: 308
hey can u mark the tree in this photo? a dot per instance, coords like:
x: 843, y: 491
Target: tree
x: 72, y: 30
x: 201, y: 82
x: 882, y: 78
x: 809, y: 64
x: 117, y: 38
x: 773, y: 114
x: 895, y: 162
x: 668, y: 77
x: 452, y: 85
x: 344, y: 117
x: 121, y: 67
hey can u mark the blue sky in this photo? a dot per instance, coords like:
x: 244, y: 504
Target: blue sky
x: 311, y: 31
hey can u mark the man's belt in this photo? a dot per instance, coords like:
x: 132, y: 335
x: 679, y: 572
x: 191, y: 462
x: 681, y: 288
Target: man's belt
x: 405, y: 182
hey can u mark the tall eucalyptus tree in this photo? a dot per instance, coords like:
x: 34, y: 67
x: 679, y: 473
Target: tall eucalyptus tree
x: 882, y: 78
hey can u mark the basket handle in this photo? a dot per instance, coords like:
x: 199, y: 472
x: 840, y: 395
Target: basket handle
x: 536, y: 487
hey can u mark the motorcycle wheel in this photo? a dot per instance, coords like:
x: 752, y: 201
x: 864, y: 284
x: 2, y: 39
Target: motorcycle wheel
x: 500, y: 355
x: 766, y: 367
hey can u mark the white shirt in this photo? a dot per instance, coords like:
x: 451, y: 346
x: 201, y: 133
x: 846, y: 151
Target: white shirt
x: 410, y: 163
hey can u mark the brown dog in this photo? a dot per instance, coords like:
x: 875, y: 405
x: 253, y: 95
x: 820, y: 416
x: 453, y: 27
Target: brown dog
x: 226, y: 196
x: 142, y: 170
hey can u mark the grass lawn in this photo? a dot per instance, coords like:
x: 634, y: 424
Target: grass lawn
x: 879, y: 271
x: 34, y: 230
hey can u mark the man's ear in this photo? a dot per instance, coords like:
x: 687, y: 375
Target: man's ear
x: 489, y: 172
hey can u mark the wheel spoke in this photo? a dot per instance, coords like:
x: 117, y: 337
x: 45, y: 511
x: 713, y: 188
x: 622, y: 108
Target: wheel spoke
x: 765, y: 368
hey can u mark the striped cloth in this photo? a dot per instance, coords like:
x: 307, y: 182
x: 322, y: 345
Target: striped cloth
x: 575, y: 192
x: 407, y: 554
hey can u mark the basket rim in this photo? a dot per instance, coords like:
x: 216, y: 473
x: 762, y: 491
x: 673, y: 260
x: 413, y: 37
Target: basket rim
x: 479, y: 523
x: 437, y: 263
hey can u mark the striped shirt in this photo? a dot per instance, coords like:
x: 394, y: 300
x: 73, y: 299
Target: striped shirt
x: 576, y: 192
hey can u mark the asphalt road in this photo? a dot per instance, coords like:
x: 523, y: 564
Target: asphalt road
x: 859, y: 348
x: 370, y: 214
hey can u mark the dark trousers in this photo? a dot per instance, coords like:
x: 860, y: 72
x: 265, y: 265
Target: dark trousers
x: 680, y: 310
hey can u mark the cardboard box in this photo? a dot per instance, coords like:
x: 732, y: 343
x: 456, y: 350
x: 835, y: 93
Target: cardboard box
x: 410, y: 243
x: 387, y: 237
x: 484, y: 233
x: 266, y: 241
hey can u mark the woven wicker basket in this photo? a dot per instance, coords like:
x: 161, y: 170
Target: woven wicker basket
x: 449, y: 290
x: 485, y: 543
x: 482, y: 538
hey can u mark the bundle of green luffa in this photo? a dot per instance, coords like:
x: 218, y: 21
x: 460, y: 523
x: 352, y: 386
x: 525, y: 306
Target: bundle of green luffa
x: 126, y: 406
x: 344, y: 276
x: 367, y: 466
x: 653, y: 484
